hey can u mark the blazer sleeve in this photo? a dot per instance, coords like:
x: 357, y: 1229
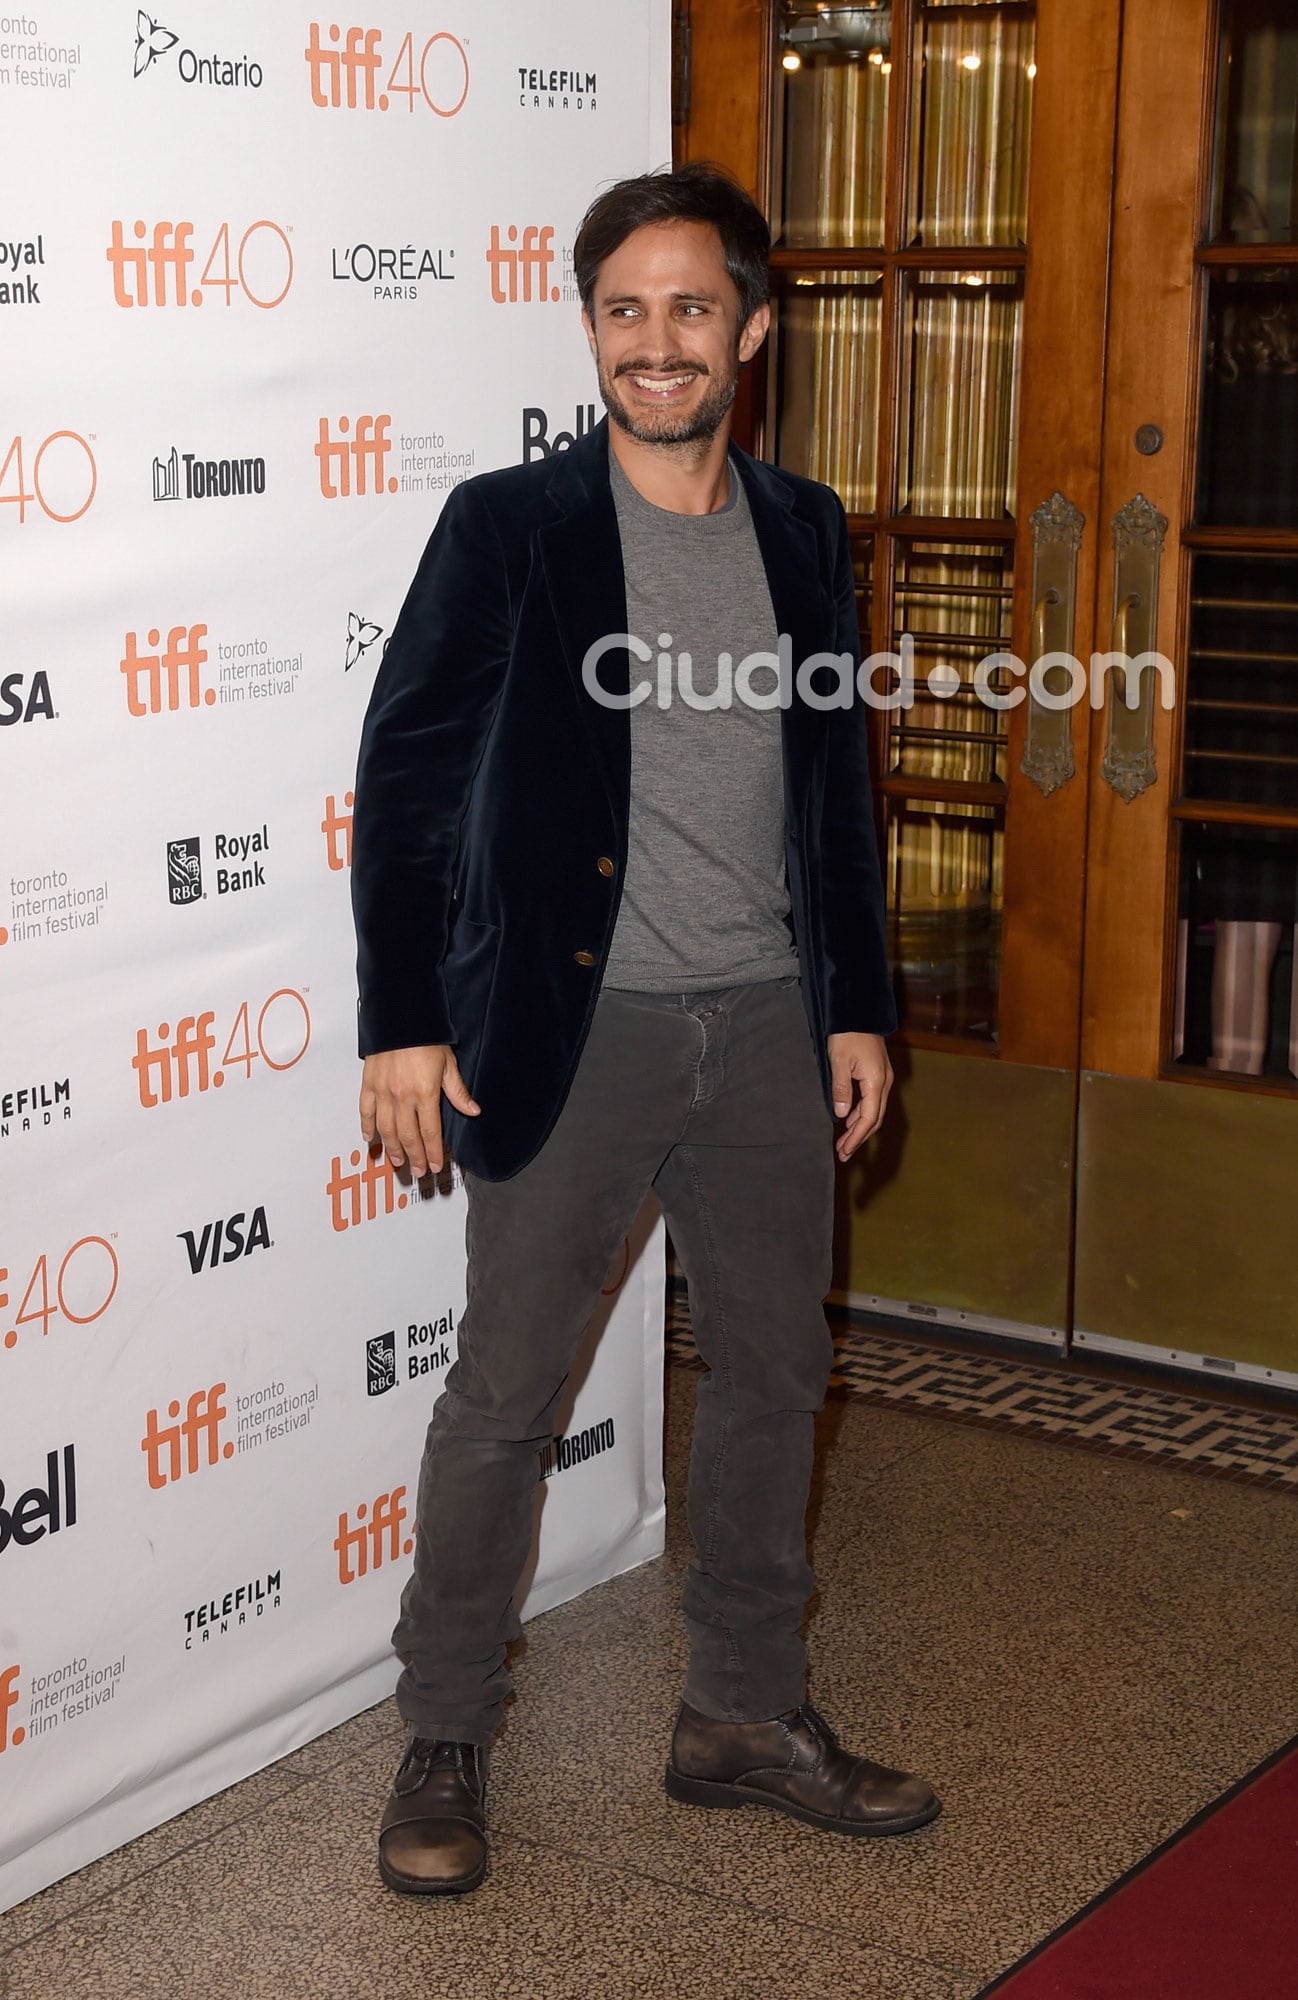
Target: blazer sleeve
x: 858, y: 995
x: 433, y: 703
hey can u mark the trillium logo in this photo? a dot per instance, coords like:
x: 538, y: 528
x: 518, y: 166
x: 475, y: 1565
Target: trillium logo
x: 151, y: 41
x: 361, y: 634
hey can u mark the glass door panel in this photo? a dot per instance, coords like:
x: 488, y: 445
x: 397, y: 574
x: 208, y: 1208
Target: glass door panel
x: 953, y: 609
x: 960, y: 394
x: 972, y: 84
x: 1255, y: 191
x: 835, y: 127
x: 826, y: 343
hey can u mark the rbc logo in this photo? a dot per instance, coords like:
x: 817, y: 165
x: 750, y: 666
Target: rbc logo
x: 537, y: 442
x: 184, y: 871
x: 381, y: 1363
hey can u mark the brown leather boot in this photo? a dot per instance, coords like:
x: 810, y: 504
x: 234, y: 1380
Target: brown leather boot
x: 794, y: 1765
x: 433, y: 1835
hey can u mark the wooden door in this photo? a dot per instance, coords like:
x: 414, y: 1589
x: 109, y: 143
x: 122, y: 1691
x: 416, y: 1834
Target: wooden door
x: 989, y: 307
x: 1186, y: 1248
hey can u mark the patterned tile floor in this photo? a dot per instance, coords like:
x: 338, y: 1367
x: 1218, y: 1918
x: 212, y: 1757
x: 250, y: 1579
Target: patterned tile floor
x: 1124, y: 1419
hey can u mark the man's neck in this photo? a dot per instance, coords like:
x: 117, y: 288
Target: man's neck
x: 684, y: 479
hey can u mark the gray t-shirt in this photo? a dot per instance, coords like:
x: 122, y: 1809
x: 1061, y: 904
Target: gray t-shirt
x: 705, y: 902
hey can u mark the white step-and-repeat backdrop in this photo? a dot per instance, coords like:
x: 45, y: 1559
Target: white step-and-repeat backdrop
x: 271, y: 283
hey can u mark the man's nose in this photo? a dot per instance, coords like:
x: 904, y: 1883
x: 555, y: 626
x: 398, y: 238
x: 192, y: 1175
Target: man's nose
x: 660, y: 336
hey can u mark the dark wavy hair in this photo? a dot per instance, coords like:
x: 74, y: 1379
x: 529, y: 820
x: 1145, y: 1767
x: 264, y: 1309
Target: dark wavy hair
x: 699, y: 192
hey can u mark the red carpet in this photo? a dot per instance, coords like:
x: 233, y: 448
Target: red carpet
x: 1210, y: 1915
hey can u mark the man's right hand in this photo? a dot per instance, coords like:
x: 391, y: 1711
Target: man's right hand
x: 401, y: 1103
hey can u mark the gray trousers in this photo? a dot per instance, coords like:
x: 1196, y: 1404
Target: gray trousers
x: 713, y: 1100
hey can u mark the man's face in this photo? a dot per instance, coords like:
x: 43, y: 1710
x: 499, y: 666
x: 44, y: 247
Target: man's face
x: 665, y: 333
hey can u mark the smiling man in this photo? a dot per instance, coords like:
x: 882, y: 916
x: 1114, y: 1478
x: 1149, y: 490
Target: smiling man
x: 628, y: 943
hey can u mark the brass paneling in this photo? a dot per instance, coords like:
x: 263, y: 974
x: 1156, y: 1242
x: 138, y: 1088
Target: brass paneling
x: 1185, y: 1223
x: 962, y: 1202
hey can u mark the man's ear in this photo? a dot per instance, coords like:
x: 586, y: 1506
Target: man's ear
x: 754, y: 333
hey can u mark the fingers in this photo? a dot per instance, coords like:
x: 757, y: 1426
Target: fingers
x: 456, y: 1090
x: 419, y: 1137
x: 866, y: 1069
x: 400, y: 1106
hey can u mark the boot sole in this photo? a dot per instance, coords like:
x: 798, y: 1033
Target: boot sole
x: 702, y: 1792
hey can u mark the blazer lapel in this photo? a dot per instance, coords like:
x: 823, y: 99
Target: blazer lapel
x: 802, y: 607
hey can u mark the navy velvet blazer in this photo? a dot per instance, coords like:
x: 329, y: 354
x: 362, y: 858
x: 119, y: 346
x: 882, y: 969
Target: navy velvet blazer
x: 491, y: 786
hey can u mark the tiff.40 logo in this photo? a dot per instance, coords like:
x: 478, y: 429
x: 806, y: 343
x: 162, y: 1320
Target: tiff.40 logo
x: 189, y: 1442
x: 154, y: 267
x: 368, y: 1544
x: 84, y: 1288
x: 176, y: 1067
x: 346, y: 66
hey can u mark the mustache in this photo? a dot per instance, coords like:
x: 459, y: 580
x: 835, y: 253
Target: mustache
x: 660, y: 368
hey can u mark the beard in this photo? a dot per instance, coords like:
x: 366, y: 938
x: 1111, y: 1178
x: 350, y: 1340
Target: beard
x: 668, y: 427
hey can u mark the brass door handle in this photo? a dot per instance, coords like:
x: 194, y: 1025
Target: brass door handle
x: 1056, y: 538
x: 1121, y: 623
x: 1129, y: 763
x: 1040, y: 611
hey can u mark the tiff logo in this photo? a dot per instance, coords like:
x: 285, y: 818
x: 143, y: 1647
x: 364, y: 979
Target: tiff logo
x: 199, y: 1431
x: 164, y: 1070
x: 337, y: 74
x: 354, y: 464
x: 522, y: 273
x: 337, y: 829
x: 9, y: 1699
x: 169, y: 252
x: 154, y: 680
x: 345, y: 1190
x: 369, y: 1544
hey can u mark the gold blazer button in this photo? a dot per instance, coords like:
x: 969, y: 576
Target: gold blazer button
x: 605, y: 866
x: 584, y: 957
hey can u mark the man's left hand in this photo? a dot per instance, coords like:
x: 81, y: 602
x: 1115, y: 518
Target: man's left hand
x: 860, y: 1078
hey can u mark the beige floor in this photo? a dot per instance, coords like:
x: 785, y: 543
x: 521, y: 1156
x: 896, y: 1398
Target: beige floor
x: 1079, y: 1652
